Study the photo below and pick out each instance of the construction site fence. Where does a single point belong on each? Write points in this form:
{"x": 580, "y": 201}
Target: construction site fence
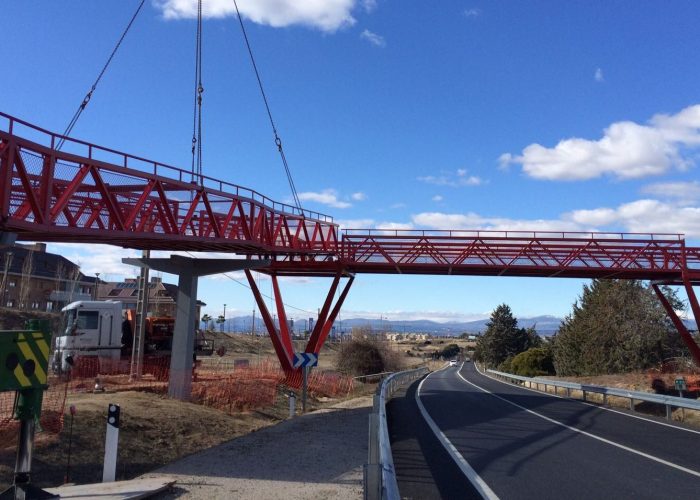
{"x": 229, "y": 387}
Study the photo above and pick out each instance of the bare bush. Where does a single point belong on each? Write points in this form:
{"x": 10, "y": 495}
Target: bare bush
{"x": 365, "y": 356}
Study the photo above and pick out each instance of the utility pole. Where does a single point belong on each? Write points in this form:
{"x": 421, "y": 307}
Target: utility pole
{"x": 224, "y": 316}
{"x": 97, "y": 282}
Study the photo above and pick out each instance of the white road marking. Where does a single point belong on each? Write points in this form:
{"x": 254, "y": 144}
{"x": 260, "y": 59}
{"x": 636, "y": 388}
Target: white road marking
{"x": 607, "y": 441}
{"x": 464, "y": 466}
{"x": 605, "y": 408}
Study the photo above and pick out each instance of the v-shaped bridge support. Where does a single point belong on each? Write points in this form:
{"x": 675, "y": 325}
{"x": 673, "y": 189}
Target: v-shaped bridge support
{"x": 281, "y": 337}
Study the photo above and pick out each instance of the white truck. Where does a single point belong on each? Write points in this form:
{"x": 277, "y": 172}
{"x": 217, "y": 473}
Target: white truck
{"x": 101, "y": 330}
{"x": 91, "y": 329}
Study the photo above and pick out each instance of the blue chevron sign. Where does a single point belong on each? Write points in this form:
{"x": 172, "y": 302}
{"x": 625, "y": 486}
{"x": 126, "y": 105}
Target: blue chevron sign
{"x": 305, "y": 359}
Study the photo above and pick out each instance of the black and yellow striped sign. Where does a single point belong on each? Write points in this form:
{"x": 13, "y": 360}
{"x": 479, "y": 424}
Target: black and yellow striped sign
{"x": 24, "y": 360}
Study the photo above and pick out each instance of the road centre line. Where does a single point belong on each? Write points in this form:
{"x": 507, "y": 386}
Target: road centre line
{"x": 463, "y": 465}
{"x": 607, "y": 441}
{"x": 605, "y": 408}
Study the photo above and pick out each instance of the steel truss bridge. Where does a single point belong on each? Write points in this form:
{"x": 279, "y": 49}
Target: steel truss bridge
{"x": 59, "y": 189}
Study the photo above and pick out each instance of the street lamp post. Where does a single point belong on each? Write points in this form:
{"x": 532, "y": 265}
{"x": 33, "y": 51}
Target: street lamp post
{"x": 224, "y": 326}
{"x": 97, "y": 282}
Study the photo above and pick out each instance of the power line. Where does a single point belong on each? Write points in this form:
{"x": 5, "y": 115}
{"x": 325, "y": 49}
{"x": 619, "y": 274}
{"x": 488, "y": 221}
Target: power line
{"x": 263, "y": 294}
{"x": 278, "y": 141}
{"x": 88, "y": 96}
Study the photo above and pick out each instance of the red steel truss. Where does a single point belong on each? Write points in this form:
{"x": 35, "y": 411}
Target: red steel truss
{"x": 86, "y": 193}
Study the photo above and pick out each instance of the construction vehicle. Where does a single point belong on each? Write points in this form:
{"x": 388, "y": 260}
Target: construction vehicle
{"x": 676, "y": 377}
{"x": 101, "y": 330}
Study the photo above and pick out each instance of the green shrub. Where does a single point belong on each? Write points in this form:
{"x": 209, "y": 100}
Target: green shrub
{"x": 505, "y": 366}
{"x": 534, "y": 362}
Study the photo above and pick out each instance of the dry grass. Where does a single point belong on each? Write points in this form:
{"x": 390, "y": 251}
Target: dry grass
{"x": 638, "y": 381}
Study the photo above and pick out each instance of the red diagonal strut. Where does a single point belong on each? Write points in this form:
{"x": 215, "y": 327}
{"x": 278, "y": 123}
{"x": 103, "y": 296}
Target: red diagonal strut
{"x": 321, "y": 329}
{"x": 682, "y": 330}
{"x": 285, "y": 356}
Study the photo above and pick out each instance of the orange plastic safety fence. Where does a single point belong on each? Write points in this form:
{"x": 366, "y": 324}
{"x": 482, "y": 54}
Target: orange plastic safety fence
{"x": 51, "y": 418}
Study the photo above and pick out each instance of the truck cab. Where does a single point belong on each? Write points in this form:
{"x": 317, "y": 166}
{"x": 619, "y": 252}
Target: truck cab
{"x": 91, "y": 328}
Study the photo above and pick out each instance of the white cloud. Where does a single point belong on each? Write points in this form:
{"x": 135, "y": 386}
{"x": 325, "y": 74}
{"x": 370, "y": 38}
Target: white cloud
{"x": 325, "y": 15}
{"x": 684, "y": 192}
{"x": 373, "y": 38}
{"x": 472, "y": 12}
{"x": 437, "y": 198}
{"x": 598, "y": 75}
{"x": 398, "y": 315}
{"x": 355, "y": 223}
{"x": 457, "y": 179}
{"x": 103, "y": 259}
{"x": 369, "y": 5}
{"x": 647, "y": 216}
{"x": 326, "y": 197}
{"x": 641, "y": 216}
{"x": 469, "y": 221}
{"x": 359, "y": 196}
{"x": 627, "y": 150}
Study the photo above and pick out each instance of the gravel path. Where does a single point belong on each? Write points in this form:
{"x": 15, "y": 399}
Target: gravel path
{"x": 318, "y": 455}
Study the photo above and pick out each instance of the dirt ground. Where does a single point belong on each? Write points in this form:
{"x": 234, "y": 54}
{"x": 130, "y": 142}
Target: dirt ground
{"x": 154, "y": 431}
{"x": 637, "y": 381}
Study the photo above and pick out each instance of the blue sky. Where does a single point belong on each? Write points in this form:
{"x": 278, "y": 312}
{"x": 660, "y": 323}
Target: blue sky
{"x": 406, "y": 114}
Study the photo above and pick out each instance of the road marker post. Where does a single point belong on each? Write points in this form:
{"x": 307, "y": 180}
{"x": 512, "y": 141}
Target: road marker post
{"x": 305, "y": 360}
{"x": 109, "y": 470}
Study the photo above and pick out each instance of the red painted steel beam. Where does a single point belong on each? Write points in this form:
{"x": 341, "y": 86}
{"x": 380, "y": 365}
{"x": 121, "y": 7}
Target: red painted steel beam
{"x": 285, "y": 334}
{"x": 682, "y": 330}
{"x": 43, "y": 206}
{"x": 284, "y": 353}
{"x": 317, "y": 340}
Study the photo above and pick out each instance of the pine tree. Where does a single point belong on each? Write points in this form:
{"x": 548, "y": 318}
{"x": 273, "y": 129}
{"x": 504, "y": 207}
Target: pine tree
{"x": 502, "y": 339}
{"x": 616, "y": 326}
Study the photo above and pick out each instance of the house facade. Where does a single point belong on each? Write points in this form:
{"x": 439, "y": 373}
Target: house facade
{"x": 31, "y": 279}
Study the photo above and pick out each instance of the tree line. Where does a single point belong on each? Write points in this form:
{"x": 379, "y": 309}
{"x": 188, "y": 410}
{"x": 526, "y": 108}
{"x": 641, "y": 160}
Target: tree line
{"x": 615, "y": 326}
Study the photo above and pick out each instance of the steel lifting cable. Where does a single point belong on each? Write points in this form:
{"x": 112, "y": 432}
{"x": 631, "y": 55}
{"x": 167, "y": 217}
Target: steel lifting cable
{"x": 278, "y": 141}
{"x": 197, "y": 113}
{"x": 88, "y": 96}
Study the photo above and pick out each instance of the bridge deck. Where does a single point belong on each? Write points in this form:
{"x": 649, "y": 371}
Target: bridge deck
{"x": 58, "y": 189}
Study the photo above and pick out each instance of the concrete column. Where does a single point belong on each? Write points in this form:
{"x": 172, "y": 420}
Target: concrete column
{"x": 181, "y": 360}
{"x": 188, "y": 270}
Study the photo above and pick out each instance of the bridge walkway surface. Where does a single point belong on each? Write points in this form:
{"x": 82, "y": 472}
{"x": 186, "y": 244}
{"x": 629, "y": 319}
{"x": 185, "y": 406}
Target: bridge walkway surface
{"x": 524, "y": 444}
{"x": 319, "y": 455}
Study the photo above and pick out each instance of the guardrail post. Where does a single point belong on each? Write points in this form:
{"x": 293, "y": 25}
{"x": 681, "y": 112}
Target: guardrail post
{"x": 605, "y": 400}
{"x": 568, "y": 392}
{"x": 584, "y": 395}
{"x": 631, "y": 404}
{"x": 669, "y": 412}
{"x": 373, "y": 469}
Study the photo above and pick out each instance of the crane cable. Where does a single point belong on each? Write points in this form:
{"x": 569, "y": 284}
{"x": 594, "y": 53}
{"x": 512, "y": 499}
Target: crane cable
{"x": 88, "y": 96}
{"x": 197, "y": 113}
{"x": 278, "y": 141}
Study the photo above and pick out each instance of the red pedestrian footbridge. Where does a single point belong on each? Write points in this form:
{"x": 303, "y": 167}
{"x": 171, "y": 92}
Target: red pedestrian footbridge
{"x": 59, "y": 189}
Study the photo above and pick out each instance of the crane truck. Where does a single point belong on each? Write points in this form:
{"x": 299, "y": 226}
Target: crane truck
{"x": 102, "y": 330}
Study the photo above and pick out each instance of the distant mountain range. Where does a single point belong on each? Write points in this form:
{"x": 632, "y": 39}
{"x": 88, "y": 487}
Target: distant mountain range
{"x": 544, "y": 325}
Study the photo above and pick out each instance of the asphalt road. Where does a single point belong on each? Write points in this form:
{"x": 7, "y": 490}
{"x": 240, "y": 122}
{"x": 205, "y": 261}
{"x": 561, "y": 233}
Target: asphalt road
{"x": 524, "y": 444}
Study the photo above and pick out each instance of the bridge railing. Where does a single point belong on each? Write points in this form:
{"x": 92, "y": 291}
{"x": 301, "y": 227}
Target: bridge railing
{"x": 69, "y": 145}
{"x": 669, "y": 402}
{"x": 512, "y": 235}
{"x": 379, "y": 473}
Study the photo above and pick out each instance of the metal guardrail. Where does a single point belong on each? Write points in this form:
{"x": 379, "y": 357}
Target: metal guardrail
{"x": 379, "y": 474}
{"x": 668, "y": 401}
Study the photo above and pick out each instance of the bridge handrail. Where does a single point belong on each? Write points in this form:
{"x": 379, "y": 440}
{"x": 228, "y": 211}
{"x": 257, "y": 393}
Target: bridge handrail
{"x": 492, "y": 234}
{"x": 380, "y": 476}
{"x": 668, "y": 401}
{"x": 180, "y": 174}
